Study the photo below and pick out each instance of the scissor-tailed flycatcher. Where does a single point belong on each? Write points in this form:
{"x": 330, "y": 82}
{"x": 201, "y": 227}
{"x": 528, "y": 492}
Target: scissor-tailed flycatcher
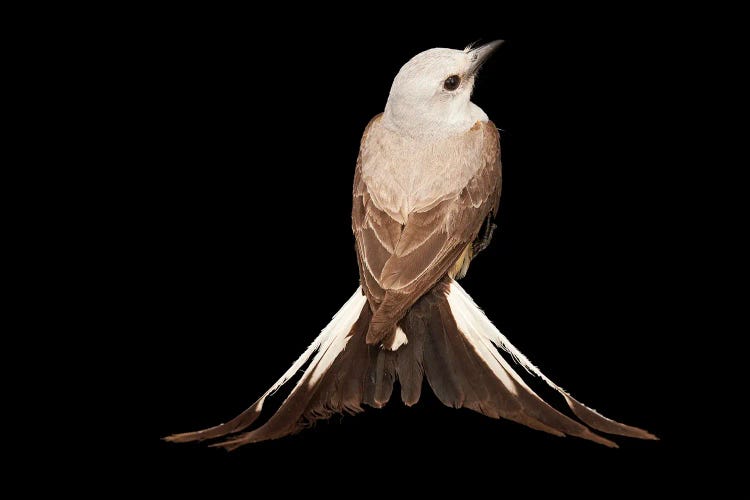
{"x": 427, "y": 181}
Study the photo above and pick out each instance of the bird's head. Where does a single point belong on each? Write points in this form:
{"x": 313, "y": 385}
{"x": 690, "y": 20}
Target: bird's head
{"x": 432, "y": 92}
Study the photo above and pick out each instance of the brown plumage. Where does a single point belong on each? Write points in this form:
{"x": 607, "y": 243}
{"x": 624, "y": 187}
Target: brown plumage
{"x": 428, "y": 176}
{"x": 405, "y": 271}
{"x": 399, "y": 262}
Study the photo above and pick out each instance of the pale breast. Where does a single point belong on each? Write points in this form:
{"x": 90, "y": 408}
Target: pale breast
{"x": 406, "y": 175}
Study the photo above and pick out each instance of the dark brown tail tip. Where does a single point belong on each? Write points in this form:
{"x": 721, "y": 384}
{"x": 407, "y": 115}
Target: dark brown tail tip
{"x": 181, "y": 438}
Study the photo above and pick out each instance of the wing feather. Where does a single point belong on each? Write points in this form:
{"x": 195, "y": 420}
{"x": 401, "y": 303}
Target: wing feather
{"x": 401, "y": 262}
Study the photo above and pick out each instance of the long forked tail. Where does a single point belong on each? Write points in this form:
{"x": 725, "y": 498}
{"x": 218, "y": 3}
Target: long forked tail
{"x": 449, "y": 341}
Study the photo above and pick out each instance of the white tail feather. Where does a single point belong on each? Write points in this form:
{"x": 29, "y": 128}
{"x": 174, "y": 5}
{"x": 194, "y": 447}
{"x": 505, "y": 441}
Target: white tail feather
{"x": 337, "y": 336}
{"x": 465, "y": 320}
{"x": 334, "y": 333}
{"x": 473, "y": 322}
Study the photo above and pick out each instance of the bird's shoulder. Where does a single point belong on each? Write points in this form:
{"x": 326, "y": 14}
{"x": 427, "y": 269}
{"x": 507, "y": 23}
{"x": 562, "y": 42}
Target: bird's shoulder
{"x": 403, "y": 174}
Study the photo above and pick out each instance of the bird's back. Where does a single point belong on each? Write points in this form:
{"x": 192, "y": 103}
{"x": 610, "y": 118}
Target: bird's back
{"x": 413, "y": 174}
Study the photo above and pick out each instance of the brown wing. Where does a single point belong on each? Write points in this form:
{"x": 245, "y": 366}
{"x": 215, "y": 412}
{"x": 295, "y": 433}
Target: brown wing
{"x": 400, "y": 263}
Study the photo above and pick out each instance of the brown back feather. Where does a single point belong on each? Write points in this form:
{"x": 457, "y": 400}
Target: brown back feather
{"x": 400, "y": 263}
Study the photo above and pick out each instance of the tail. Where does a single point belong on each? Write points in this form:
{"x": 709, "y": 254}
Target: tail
{"x": 446, "y": 338}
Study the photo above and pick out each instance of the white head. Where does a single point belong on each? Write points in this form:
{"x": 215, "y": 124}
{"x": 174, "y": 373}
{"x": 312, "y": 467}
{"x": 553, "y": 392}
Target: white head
{"x": 431, "y": 95}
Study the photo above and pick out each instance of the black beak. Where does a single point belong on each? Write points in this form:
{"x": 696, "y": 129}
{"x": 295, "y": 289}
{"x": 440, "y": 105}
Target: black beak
{"x": 481, "y": 54}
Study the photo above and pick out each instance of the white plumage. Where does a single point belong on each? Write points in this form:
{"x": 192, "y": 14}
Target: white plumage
{"x": 480, "y": 331}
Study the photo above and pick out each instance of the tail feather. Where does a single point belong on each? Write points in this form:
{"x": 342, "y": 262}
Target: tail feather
{"x": 381, "y": 376}
{"x": 507, "y": 396}
{"x": 341, "y": 322}
{"x": 319, "y": 393}
{"x": 451, "y": 343}
{"x": 409, "y": 368}
{"x": 482, "y": 328}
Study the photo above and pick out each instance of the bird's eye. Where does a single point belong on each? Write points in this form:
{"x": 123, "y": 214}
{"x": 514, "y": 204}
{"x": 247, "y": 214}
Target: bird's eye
{"x": 452, "y": 82}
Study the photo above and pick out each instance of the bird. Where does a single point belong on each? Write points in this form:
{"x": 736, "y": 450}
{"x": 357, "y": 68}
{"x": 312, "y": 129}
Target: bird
{"x": 426, "y": 191}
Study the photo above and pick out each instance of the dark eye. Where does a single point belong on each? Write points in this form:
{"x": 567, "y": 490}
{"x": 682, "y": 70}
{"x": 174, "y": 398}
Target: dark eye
{"x": 452, "y": 82}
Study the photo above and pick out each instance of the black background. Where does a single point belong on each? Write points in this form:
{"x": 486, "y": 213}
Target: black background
{"x": 249, "y": 248}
